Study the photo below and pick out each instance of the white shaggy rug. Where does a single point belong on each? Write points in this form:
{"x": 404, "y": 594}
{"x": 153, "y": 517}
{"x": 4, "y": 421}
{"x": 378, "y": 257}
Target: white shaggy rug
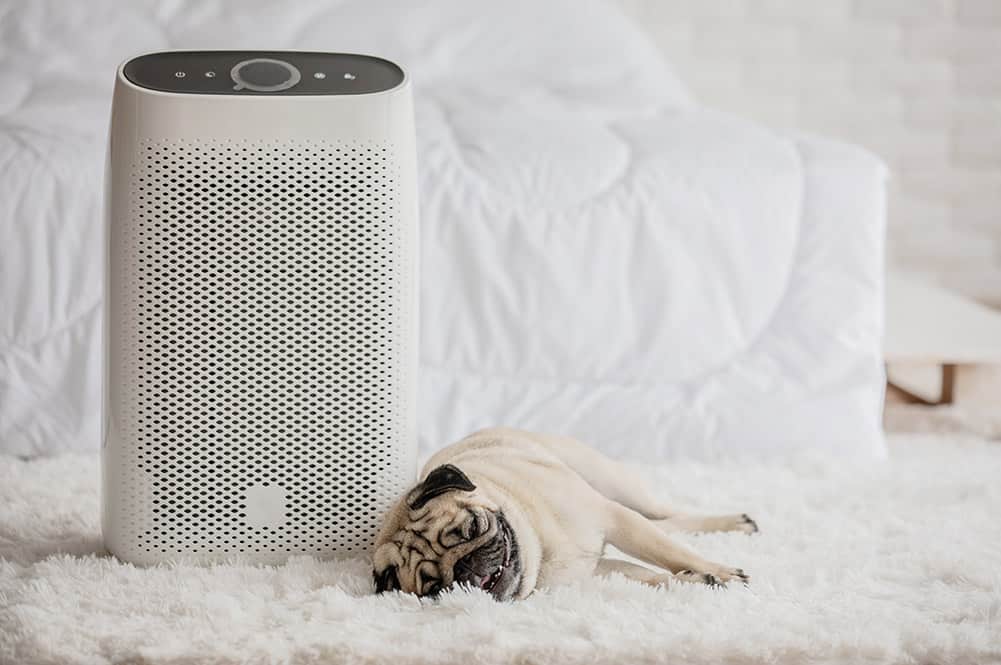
{"x": 898, "y": 561}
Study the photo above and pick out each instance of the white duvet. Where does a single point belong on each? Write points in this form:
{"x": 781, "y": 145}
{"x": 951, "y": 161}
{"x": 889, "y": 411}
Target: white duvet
{"x": 600, "y": 256}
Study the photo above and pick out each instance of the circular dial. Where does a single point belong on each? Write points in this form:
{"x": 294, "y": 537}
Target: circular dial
{"x": 264, "y": 75}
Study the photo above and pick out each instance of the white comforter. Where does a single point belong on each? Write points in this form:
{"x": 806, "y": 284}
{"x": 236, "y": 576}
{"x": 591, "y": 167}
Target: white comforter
{"x": 600, "y": 256}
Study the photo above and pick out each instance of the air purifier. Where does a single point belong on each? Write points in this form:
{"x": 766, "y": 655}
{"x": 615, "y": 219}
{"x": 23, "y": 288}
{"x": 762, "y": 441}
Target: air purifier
{"x": 260, "y": 305}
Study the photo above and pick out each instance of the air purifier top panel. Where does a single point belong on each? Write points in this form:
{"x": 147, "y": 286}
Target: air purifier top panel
{"x": 283, "y": 73}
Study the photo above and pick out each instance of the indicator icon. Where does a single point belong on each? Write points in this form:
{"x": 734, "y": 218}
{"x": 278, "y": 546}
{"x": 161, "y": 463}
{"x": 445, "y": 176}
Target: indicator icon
{"x": 180, "y": 75}
{"x": 210, "y": 75}
{"x": 349, "y": 76}
{"x": 319, "y": 75}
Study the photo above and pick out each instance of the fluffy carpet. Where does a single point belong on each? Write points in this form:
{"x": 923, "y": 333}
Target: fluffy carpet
{"x": 898, "y": 561}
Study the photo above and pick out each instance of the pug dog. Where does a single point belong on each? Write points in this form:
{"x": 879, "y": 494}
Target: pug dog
{"x": 509, "y": 511}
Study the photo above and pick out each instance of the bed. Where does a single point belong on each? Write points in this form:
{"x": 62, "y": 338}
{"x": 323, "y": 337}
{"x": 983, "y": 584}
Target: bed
{"x": 601, "y": 255}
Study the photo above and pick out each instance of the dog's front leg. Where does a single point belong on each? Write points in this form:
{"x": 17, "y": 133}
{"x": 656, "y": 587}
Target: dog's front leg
{"x": 708, "y": 523}
{"x": 633, "y": 571}
{"x": 639, "y": 537}
{"x": 607, "y": 567}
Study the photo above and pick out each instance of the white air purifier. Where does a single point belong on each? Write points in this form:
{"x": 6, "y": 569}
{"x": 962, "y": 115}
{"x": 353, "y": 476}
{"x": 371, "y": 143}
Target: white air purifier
{"x": 261, "y": 305}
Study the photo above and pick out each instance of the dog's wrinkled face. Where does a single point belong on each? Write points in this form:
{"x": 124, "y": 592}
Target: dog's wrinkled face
{"x": 443, "y": 533}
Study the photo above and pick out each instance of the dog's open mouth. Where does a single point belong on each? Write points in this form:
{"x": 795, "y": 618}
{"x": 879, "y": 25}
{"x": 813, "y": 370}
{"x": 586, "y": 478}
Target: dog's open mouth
{"x": 494, "y": 567}
{"x": 491, "y": 582}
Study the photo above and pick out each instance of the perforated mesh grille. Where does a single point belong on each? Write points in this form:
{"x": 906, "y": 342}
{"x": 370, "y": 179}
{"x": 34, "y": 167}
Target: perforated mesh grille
{"x": 265, "y": 366}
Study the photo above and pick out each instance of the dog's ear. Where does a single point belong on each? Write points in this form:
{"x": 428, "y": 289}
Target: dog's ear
{"x": 387, "y": 580}
{"x": 445, "y": 478}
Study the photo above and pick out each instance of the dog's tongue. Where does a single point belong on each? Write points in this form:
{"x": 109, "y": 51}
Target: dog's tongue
{"x": 483, "y": 581}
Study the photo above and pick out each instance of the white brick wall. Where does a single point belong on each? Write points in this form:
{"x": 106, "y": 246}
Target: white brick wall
{"x": 916, "y": 81}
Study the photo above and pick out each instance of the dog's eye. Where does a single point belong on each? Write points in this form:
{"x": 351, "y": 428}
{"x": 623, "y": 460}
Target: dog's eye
{"x": 479, "y": 525}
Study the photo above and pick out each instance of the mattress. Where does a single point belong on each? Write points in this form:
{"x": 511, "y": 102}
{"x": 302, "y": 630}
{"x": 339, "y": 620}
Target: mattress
{"x": 601, "y": 255}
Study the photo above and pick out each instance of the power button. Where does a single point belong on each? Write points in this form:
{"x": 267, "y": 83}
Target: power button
{"x": 264, "y": 75}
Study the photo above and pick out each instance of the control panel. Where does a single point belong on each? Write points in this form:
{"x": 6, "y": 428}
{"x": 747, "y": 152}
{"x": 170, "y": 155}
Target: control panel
{"x": 263, "y": 73}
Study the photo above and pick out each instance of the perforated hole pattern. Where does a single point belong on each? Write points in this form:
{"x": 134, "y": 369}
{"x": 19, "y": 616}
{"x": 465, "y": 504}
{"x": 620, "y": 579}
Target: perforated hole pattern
{"x": 269, "y": 327}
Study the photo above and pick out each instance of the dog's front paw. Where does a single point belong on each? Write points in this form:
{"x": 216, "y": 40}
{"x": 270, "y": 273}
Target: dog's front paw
{"x": 732, "y": 574}
{"x": 746, "y": 524}
{"x": 693, "y": 577}
{"x": 742, "y": 522}
{"x": 717, "y": 578}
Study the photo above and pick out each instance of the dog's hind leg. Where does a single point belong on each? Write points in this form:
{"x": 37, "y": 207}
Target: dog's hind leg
{"x": 639, "y": 537}
{"x": 616, "y": 481}
{"x": 622, "y": 484}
